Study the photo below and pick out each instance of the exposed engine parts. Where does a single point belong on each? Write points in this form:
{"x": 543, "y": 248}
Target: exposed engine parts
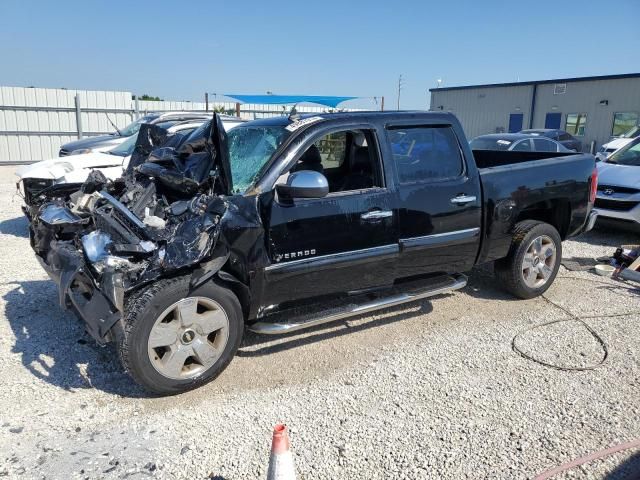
{"x": 161, "y": 216}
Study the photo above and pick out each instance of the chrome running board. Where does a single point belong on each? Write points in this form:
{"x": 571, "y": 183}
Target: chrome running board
{"x": 449, "y": 284}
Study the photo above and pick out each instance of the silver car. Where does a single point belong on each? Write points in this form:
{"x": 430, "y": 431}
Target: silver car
{"x": 104, "y": 143}
{"x": 618, "y": 194}
{"x": 517, "y": 142}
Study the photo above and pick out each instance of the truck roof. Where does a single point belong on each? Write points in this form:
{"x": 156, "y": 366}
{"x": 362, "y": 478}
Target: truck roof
{"x": 364, "y": 115}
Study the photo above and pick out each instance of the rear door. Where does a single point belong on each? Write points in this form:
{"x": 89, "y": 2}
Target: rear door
{"x": 439, "y": 199}
{"x": 544, "y": 145}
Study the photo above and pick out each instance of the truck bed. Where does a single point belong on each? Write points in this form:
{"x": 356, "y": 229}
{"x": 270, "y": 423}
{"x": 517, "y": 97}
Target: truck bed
{"x": 517, "y": 185}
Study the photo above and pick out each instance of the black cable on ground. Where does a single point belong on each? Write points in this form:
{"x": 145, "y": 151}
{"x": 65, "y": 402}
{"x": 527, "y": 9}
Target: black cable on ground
{"x": 573, "y": 318}
{"x": 620, "y": 283}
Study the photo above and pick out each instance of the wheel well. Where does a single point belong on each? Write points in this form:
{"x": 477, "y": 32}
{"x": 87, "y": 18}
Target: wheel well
{"x": 554, "y": 212}
{"x": 239, "y": 289}
{"x": 222, "y": 278}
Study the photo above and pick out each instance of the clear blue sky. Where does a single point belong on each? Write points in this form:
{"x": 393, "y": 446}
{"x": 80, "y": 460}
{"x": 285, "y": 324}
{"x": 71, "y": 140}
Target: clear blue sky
{"x": 180, "y": 49}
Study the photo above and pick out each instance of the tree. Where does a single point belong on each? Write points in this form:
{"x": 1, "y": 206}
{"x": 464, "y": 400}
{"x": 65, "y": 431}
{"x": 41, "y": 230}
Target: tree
{"x": 224, "y": 111}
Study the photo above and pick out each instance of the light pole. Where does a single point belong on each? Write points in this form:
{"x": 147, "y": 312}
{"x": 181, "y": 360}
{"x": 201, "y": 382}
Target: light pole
{"x": 400, "y": 85}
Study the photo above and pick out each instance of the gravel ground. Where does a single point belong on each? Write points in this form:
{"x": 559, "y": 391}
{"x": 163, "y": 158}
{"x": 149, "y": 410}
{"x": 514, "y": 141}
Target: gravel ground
{"x": 431, "y": 390}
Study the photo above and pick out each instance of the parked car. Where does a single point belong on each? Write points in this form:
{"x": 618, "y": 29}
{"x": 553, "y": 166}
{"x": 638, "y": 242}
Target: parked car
{"x": 608, "y": 148}
{"x": 518, "y": 142}
{"x": 565, "y": 138}
{"x": 287, "y": 223}
{"x": 619, "y": 188}
{"x": 103, "y": 143}
{"x": 34, "y": 178}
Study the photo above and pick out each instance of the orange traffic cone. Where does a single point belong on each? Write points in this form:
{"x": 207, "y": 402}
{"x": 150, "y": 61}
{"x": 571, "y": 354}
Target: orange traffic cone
{"x": 281, "y": 460}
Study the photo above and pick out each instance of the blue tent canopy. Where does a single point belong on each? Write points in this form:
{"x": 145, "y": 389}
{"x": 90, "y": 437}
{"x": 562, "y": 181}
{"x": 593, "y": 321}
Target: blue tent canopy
{"x": 290, "y": 99}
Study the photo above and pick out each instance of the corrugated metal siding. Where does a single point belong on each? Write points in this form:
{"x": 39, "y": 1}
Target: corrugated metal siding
{"x": 34, "y": 122}
{"x": 483, "y": 110}
{"x": 622, "y": 95}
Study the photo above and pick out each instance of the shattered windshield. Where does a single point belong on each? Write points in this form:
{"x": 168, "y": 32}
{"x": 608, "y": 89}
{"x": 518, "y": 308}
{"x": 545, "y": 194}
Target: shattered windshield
{"x": 250, "y": 148}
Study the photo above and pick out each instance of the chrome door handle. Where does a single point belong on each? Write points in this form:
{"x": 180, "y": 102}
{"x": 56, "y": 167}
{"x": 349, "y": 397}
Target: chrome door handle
{"x": 376, "y": 215}
{"x": 463, "y": 199}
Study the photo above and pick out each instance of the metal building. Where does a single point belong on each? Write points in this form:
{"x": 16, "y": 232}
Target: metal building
{"x": 590, "y": 108}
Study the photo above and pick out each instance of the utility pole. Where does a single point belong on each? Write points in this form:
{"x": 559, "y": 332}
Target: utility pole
{"x": 400, "y": 84}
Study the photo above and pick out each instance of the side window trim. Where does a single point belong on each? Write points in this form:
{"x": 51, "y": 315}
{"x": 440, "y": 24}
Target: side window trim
{"x": 407, "y": 126}
{"x": 345, "y": 193}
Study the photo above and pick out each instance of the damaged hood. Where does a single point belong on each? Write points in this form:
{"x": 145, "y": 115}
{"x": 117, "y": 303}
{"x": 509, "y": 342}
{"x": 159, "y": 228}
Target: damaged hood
{"x": 184, "y": 163}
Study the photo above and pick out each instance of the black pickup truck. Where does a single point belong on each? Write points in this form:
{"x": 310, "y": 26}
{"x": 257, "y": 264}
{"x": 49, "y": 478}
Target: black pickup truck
{"x": 289, "y": 222}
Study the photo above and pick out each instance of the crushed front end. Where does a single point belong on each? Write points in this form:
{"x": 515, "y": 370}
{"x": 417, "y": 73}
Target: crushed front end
{"x": 163, "y": 216}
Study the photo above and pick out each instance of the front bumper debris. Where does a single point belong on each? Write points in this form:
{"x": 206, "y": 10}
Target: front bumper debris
{"x": 76, "y": 289}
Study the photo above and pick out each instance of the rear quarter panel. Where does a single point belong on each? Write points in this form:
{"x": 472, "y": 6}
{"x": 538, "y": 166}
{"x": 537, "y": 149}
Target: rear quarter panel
{"x": 511, "y": 191}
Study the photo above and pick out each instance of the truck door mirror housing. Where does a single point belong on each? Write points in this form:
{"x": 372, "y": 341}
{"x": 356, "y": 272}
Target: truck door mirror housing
{"x": 304, "y": 184}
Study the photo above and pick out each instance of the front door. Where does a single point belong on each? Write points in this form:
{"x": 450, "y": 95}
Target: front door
{"x": 344, "y": 242}
{"x": 439, "y": 204}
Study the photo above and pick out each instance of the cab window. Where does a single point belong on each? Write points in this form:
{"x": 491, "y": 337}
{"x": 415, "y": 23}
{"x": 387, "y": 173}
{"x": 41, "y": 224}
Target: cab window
{"x": 348, "y": 159}
{"x": 424, "y": 154}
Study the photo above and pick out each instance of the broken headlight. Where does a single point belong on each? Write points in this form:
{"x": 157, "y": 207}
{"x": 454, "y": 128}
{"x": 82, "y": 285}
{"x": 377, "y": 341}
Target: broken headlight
{"x": 95, "y": 245}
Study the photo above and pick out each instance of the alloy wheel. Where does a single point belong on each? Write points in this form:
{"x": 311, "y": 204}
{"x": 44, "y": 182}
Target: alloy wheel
{"x": 539, "y": 261}
{"x": 188, "y": 338}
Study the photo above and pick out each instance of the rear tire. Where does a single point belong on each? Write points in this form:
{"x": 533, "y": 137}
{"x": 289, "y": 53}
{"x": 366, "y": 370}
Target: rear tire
{"x": 533, "y": 260}
{"x": 177, "y": 338}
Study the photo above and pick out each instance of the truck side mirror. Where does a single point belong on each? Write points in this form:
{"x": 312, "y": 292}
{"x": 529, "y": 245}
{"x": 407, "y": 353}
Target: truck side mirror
{"x": 304, "y": 184}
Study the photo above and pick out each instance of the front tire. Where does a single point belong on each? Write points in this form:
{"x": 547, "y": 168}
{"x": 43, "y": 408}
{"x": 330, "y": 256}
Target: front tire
{"x": 533, "y": 260}
{"x": 177, "y": 338}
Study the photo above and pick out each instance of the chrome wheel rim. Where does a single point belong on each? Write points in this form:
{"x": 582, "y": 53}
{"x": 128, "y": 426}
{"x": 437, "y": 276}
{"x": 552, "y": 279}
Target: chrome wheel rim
{"x": 539, "y": 261}
{"x": 188, "y": 338}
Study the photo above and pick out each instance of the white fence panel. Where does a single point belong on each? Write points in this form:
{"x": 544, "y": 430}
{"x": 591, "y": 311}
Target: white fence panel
{"x": 35, "y": 122}
{"x": 169, "y": 106}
